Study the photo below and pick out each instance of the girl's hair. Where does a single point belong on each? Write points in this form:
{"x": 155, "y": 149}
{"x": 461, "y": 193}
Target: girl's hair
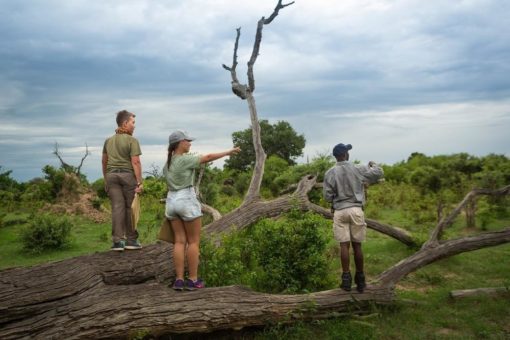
{"x": 171, "y": 149}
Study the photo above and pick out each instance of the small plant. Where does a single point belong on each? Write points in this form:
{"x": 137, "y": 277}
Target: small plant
{"x": 46, "y": 232}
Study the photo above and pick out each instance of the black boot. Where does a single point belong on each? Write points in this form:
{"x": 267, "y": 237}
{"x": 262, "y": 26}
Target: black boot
{"x": 346, "y": 281}
{"x": 359, "y": 278}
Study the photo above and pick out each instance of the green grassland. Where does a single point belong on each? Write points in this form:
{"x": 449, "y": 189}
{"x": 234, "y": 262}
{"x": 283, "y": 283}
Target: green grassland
{"x": 423, "y": 310}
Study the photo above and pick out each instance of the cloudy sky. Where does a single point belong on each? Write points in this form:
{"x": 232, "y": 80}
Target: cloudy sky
{"x": 391, "y": 77}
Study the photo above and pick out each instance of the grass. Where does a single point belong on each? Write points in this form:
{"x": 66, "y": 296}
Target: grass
{"x": 431, "y": 314}
{"x": 87, "y": 237}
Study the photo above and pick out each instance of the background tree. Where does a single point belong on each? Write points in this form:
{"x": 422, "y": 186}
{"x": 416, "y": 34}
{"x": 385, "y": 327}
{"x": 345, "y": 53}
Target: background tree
{"x": 278, "y": 139}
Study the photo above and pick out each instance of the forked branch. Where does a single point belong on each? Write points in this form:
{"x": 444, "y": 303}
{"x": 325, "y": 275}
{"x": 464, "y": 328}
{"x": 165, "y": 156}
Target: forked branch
{"x": 436, "y": 234}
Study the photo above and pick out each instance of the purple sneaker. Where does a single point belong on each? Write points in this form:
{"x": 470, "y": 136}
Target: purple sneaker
{"x": 178, "y": 285}
{"x": 192, "y": 285}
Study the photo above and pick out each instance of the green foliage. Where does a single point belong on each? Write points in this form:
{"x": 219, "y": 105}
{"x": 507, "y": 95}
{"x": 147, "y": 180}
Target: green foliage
{"x": 274, "y": 166}
{"x": 98, "y": 187}
{"x": 46, "y": 232}
{"x": 287, "y": 255}
{"x": 155, "y": 187}
{"x": 6, "y": 182}
{"x": 227, "y": 264}
{"x": 291, "y": 253}
{"x": 278, "y": 139}
{"x": 37, "y": 190}
{"x": 59, "y": 180}
{"x": 12, "y": 219}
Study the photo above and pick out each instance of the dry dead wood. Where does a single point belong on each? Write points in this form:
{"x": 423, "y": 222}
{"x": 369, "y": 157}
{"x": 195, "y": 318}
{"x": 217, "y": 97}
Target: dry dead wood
{"x": 492, "y": 291}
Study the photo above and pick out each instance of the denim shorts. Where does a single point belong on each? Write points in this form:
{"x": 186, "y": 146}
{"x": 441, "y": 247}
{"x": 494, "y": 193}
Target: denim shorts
{"x": 182, "y": 204}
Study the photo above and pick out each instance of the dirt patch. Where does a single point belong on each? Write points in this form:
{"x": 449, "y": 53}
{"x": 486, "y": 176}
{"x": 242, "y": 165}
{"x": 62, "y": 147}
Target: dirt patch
{"x": 82, "y": 205}
{"x": 447, "y": 332}
{"x": 74, "y": 199}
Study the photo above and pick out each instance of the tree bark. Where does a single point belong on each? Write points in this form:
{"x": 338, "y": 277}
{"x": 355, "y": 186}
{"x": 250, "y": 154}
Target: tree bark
{"x": 105, "y": 311}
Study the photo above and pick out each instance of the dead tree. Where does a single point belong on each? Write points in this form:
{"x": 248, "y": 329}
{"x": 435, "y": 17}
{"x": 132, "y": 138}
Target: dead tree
{"x": 244, "y": 91}
{"x": 67, "y": 167}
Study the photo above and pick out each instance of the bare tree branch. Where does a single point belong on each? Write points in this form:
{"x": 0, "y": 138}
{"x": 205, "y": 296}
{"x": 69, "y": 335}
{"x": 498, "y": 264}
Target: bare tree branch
{"x": 258, "y": 39}
{"x": 435, "y": 236}
{"x": 64, "y": 165}
{"x": 277, "y": 9}
{"x": 87, "y": 152}
{"x": 426, "y": 256}
{"x": 216, "y": 215}
{"x": 153, "y": 171}
{"x": 246, "y": 92}
{"x": 199, "y": 180}
{"x": 239, "y": 89}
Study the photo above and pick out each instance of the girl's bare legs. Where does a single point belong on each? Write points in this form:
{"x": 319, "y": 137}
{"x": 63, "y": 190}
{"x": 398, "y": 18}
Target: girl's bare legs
{"x": 192, "y": 229}
{"x": 179, "y": 247}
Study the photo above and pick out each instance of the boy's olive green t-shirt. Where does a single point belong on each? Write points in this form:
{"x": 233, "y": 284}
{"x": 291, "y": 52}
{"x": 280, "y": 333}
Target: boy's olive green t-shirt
{"x": 120, "y": 148}
{"x": 182, "y": 171}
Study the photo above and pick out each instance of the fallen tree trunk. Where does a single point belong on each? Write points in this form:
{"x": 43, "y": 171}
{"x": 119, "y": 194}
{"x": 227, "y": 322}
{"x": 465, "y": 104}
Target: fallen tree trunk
{"x": 28, "y": 292}
{"x": 493, "y": 291}
{"x": 113, "y": 295}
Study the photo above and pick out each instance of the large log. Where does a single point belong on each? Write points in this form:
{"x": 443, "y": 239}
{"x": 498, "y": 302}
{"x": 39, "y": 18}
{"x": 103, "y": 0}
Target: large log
{"x": 112, "y": 295}
{"x": 28, "y": 292}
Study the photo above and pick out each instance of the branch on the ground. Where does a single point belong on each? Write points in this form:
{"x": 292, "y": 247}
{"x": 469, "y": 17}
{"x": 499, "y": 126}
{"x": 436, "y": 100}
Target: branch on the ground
{"x": 449, "y": 248}
{"x": 216, "y": 215}
{"x": 492, "y": 291}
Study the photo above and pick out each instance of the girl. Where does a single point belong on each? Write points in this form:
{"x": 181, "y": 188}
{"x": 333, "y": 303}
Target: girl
{"x": 182, "y": 207}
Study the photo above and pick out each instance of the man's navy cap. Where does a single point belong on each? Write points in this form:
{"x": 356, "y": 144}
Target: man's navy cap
{"x": 341, "y": 148}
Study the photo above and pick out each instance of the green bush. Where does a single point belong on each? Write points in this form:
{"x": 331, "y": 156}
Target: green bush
{"x": 98, "y": 187}
{"x": 46, "y": 232}
{"x": 292, "y": 253}
{"x": 287, "y": 255}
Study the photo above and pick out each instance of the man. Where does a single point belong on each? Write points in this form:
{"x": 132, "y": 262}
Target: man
{"x": 122, "y": 173}
{"x": 344, "y": 188}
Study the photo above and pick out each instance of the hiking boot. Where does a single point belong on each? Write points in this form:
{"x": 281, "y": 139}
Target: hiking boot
{"x": 117, "y": 246}
{"x": 346, "y": 281}
{"x": 178, "y": 285}
{"x": 359, "y": 278}
{"x": 192, "y": 285}
{"x": 133, "y": 245}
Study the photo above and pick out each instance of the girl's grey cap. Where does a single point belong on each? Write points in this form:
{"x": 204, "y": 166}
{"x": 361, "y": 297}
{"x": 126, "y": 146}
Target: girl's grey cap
{"x": 179, "y": 135}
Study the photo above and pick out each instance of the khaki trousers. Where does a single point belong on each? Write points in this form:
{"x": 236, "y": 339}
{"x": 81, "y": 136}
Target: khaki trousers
{"x": 121, "y": 190}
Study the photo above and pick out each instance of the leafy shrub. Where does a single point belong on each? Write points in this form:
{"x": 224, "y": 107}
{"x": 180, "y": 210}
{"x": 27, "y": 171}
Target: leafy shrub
{"x": 46, "y": 232}
{"x": 285, "y": 255}
{"x": 291, "y": 253}
{"x": 98, "y": 187}
{"x": 226, "y": 264}
{"x": 154, "y": 187}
